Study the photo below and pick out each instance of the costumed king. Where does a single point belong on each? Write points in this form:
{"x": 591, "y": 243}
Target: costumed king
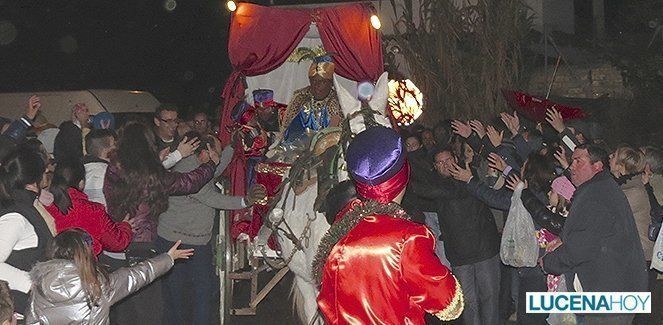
{"x": 374, "y": 265}
{"x": 314, "y": 107}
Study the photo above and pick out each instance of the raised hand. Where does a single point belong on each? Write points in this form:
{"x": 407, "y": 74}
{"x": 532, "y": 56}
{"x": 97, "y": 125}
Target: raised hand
{"x": 130, "y": 221}
{"x": 646, "y": 175}
{"x": 213, "y": 155}
{"x": 494, "y": 137}
{"x": 258, "y": 192}
{"x": 495, "y": 161}
{"x": 179, "y": 253}
{"x": 163, "y": 153}
{"x": 478, "y": 128}
{"x": 555, "y": 119}
{"x": 560, "y": 155}
{"x": 513, "y": 181}
{"x": 34, "y": 104}
{"x": 460, "y": 128}
{"x": 512, "y": 122}
{"x": 460, "y": 173}
{"x": 188, "y": 146}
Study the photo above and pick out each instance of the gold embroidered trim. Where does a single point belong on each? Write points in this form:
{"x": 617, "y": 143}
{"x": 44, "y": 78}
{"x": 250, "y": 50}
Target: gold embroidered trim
{"x": 455, "y": 308}
{"x": 270, "y": 169}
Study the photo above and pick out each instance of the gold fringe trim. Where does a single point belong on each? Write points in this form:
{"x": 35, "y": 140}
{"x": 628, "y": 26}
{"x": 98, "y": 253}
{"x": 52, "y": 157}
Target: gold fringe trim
{"x": 455, "y": 308}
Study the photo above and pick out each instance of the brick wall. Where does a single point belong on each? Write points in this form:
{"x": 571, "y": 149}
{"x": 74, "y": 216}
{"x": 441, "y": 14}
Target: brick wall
{"x": 581, "y": 82}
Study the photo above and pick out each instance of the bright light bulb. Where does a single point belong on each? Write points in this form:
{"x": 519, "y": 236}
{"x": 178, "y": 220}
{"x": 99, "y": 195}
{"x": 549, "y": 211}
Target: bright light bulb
{"x": 375, "y": 22}
{"x": 231, "y": 5}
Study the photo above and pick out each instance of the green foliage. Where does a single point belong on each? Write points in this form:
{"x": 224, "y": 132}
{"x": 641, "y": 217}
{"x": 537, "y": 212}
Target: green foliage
{"x": 461, "y": 57}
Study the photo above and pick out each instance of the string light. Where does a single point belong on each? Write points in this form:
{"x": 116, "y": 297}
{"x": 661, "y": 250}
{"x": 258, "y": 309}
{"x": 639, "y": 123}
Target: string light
{"x": 231, "y": 5}
{"x": 375, "y": 21}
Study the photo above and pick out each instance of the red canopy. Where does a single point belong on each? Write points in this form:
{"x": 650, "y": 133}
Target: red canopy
{"x": 534, "y": 108}
{"x": 262, "y": 38}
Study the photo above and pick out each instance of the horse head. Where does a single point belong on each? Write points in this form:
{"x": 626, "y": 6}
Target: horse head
{"x": 370, "y": 110}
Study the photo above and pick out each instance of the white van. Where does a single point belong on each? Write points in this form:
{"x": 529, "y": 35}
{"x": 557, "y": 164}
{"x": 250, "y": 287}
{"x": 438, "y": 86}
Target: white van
{"x": 56, "y": 105}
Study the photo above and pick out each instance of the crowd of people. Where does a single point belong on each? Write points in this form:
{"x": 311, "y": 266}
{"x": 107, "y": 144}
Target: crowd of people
{"x": 100, "y": 213}
{"x": 96, "y": 213}
{"x": 595, "y": 209}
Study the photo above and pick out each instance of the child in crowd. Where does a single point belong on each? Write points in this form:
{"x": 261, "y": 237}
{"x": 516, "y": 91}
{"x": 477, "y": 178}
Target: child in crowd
{"x": 71, "y": 208}
{"x": 72, "y": 288}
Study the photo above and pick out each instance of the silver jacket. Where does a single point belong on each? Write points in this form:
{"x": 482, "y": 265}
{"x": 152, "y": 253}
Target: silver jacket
{"x": 57, "y": 295}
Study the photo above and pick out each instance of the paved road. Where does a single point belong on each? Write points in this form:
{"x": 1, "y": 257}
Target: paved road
{"x": 277, "y": 306}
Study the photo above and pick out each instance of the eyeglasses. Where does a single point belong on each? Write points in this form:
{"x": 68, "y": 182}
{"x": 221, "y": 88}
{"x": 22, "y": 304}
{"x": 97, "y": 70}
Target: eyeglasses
{"x": 197, "y": 122}
{"x": 170, "y": 122}
{"x": 444, "y": 161}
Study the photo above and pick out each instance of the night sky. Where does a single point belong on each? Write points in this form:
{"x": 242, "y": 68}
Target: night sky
{"x": 180, "y": 55}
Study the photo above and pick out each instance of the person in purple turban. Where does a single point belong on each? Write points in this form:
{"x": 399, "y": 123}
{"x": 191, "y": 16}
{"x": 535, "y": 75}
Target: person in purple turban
{"x": 374, "y": 264}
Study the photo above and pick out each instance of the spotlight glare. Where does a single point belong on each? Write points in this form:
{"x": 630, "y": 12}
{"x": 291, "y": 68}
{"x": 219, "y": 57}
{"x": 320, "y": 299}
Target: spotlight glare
{"x": 375, "y": 22}
{"x": 231, "y": 5}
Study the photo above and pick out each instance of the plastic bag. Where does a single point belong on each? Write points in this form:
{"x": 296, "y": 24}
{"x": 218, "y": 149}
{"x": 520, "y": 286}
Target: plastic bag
{"x": 519, "y": 247}
{"x": 657, "y": 257}
{"x": 561, "y": 319}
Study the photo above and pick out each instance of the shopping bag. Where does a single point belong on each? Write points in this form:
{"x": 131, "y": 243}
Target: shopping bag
{"x": 560, "y": 319}
{"x": 657, "y": 258}
{"x": 519, "y": 246}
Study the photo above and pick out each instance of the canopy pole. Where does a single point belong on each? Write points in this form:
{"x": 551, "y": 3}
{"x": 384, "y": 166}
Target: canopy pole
{"x": 552, "y": 80}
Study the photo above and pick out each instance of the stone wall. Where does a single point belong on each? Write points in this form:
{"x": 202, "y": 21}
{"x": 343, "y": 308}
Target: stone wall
{"x": 598, "y": 80}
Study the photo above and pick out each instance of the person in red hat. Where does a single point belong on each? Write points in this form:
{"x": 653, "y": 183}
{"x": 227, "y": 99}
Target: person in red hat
{"x": 251, "y": 137}
{"x": 267, "y": 110}
{"x": 374, "y": 265}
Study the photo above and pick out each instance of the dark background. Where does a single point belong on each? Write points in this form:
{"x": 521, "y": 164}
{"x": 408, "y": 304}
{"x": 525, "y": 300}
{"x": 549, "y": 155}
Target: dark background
{"x": 181, "y": 55}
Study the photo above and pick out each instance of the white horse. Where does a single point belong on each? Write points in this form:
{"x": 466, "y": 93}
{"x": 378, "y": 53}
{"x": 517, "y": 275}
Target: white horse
{"x": 299, "y": 213}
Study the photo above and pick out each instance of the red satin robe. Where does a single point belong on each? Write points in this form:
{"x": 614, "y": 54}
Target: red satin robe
{"x": 385, "y": 271}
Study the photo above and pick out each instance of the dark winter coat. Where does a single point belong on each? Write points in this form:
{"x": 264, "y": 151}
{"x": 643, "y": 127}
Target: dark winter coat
{"x": 600, "y": 240}
{"x": 467, "y": 226}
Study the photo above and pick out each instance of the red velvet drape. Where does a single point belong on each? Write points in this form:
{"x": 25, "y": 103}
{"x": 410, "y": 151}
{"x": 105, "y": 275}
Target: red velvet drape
{"x": 347, "y": 31}
{"x": 262, "y": 38}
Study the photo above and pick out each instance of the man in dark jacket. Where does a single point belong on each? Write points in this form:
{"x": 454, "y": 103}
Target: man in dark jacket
{"x": 471, "y": 241}
{"x": 601, "y": 250}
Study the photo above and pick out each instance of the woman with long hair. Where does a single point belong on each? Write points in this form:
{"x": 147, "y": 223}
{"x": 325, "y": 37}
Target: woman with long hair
{"x": 137, "y": 185}
{"x": 72, "y": 288}
{"x": 24, "y": 235}
{"x": 71, "y": 208}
